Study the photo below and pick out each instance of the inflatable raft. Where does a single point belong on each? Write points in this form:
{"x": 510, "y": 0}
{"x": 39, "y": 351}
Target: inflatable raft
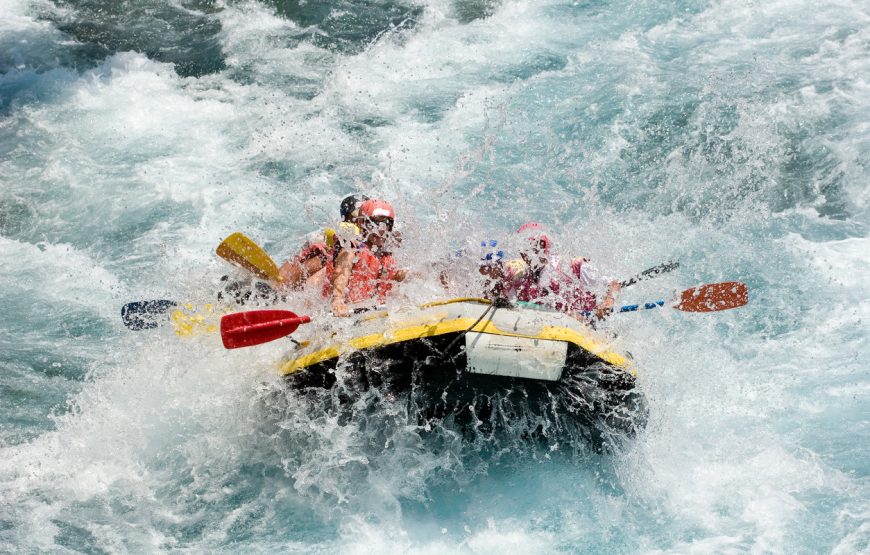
{"x": 478, "y": 364}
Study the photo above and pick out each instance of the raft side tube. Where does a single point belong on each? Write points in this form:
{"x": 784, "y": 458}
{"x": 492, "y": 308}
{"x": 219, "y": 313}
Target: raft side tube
{"x": 528, "y": 331}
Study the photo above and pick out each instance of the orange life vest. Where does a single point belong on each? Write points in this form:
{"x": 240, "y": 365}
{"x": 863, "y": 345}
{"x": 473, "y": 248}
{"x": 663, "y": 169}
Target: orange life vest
{"x": 371, "y": 278}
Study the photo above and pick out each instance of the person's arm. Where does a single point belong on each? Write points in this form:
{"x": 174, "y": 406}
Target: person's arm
{"x": 606, "y": 306}
{"x": 315, "y": 281}
{"x": 340, "y": 279}
{"x": 291, "y": 274}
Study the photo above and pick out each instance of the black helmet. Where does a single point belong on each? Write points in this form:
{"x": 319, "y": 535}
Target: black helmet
{"x": 350, "y": 205}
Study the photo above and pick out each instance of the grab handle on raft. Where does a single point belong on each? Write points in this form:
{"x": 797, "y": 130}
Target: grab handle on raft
{"x": 244, "y": 329}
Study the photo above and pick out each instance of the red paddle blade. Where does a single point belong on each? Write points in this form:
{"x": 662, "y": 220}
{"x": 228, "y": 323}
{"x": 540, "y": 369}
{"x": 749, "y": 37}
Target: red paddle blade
{"x": 714, "y": 297}
{"x": 244, "y": 329}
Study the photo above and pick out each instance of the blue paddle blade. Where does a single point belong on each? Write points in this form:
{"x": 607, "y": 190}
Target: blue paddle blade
{"x": 145, "y": 315}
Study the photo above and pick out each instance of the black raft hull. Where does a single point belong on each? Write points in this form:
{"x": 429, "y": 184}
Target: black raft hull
{"x": 440, "y": 362}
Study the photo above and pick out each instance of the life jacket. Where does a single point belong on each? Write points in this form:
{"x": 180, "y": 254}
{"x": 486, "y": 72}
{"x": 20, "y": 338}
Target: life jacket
{"x": 371, "y": 277}
{"x": 579, "y": 299}
{"x": 551, "y": 286}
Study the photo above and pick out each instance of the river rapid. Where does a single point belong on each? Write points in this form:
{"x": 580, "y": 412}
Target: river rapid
{"x": 733, "y": 136}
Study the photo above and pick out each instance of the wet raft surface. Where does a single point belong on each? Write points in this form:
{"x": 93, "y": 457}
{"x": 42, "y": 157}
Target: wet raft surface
{"x": 592, "y": 398}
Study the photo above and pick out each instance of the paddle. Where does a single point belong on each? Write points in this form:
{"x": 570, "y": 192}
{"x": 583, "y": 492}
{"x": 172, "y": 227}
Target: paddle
{"x": 237, "y": 249}
{"x": 712, "y": 297}
{"x": 651, "y": 273}
{"x": 187, "y": 319}
{"x": 254, "y": 327}
{"x": 241, "y": 251}
{"x": 148, "y": 315}
{"x": 145, "y": 315}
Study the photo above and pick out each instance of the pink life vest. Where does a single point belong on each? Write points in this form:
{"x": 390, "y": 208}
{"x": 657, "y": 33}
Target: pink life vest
{"x": 560, "y": 290}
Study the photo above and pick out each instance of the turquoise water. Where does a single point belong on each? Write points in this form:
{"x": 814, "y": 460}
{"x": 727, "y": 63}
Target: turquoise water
{"x": 732, "y": 136}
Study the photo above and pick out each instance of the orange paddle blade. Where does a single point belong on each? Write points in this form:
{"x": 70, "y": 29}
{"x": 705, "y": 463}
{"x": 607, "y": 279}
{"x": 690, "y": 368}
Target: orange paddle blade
{"x": 244, "y": 329}
{"x": 714, "y": 297}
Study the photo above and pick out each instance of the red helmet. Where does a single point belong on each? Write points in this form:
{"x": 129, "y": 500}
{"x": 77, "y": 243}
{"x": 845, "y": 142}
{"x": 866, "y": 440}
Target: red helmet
{"x": 534, "y": 232}
{"x": 374, "y": 208}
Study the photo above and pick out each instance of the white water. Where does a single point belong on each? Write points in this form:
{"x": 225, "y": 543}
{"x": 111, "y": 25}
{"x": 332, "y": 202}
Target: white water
{"x": 732, "y": 136}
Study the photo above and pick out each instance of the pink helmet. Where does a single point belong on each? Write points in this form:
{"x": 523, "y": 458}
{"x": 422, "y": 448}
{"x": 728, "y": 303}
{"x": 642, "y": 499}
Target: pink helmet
{"x": 534, "y": 232}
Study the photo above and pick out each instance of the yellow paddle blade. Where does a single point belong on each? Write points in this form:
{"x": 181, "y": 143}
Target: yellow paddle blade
{"x": 238, "y": 249}
{"x": 193, "y": 320}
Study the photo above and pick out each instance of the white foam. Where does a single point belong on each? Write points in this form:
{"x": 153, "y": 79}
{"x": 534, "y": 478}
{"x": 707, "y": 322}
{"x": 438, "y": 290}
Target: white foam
{"x": 166, "y": 432}
{"x": 58, "y": 273}
{"x": 27, "y": 41}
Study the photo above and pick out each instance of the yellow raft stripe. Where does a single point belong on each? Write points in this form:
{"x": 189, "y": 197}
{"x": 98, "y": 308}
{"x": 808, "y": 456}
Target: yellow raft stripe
{"x": 384, "y": 313}
{"x": 551, "y": 333}
{"x": 458, "y": 300}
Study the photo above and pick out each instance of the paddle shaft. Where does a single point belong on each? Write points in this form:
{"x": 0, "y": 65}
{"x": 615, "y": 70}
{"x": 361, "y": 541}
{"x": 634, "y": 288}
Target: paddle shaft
{"x": 645, "y": 306}
{"x": 655, "y": 271}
